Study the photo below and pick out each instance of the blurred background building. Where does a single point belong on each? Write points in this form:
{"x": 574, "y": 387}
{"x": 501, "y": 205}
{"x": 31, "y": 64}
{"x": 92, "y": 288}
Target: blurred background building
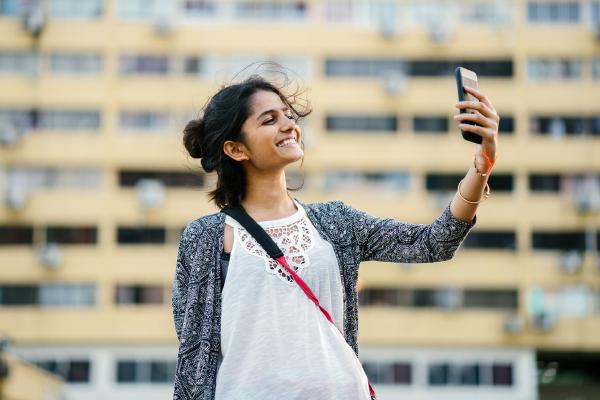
{"x": 96, "y": 186}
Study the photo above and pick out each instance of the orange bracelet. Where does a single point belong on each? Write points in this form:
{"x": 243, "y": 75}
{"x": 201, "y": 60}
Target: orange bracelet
{"x": 489, "y": 162}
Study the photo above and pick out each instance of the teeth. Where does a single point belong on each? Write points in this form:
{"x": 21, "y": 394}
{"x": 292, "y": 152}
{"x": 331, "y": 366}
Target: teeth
{"x": 286, "y": 142}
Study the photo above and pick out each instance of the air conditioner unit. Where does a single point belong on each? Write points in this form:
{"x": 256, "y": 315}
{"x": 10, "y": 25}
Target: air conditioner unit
{"x": 448, "y": 298}
{"x": 394, "y": 82}
{"x": 34, "y": 17}
{"x": 571, "y": 261}
{"x": 587, "y": 194}
{"x": 50, "y": 255}
{"x": 386, "y": 25}
{"x": 513, "y": 324}
{"x": 9, "y": 135}
{"x": 543, "y": 322}
{"x": 557, "y": 128}
{"x": 151, "y": 193}
{"x": 15, "y": 197}
{"x": 439, "y": 32}
{"x": 164, "y": 26}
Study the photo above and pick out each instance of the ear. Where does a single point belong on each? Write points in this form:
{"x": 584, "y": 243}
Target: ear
{"x": 235, "y": 150}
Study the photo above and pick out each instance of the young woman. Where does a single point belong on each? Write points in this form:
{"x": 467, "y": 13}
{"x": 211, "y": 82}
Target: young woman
{"x": 245, "y": 329}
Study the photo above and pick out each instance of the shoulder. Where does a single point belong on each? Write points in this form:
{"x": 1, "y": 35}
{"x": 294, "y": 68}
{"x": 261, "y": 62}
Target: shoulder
{"x": 205, "y": 228}
{"x": 331, "y": 208}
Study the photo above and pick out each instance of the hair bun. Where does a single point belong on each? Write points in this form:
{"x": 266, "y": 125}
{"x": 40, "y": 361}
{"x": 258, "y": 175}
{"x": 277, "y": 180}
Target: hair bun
{"x": 193, "y": 137}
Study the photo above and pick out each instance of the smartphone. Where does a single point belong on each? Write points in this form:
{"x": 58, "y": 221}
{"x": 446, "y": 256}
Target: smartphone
{"x": 465, "y": 77}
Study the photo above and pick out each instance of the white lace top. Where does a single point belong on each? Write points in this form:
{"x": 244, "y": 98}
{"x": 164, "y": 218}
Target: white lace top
{"x": 276, "y": 343}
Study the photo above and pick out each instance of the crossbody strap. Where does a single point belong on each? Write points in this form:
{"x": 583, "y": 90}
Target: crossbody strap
{"x": 269, "y": 245}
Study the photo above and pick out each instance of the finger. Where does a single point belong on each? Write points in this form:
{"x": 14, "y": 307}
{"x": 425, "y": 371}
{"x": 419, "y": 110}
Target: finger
{"x": 482, "y": 97}
{"x": 481, "y": 131}
{"x": 479, "y": 106}
{"x": 479, "y": 119}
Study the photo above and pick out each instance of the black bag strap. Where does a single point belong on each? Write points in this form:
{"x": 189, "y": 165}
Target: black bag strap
{"x": 254, "y": 229}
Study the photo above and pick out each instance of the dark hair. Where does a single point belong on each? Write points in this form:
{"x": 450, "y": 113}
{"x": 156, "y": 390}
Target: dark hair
{"x": 221, "y": 120}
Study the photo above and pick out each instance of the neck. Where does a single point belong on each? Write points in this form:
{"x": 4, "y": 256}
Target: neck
{"x": 267, "y": 197}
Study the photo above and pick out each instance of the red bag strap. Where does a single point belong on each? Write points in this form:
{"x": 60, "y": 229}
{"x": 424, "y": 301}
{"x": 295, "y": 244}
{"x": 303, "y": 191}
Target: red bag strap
{"x": 269, "y": 245}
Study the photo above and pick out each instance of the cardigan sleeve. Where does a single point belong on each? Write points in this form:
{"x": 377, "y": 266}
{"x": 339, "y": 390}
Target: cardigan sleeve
{"x": 386, "y": 239}
{"x": 182, "y": 275}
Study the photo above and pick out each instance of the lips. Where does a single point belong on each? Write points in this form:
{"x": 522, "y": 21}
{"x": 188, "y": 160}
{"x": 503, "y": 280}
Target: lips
{"x": 287, "y": 141}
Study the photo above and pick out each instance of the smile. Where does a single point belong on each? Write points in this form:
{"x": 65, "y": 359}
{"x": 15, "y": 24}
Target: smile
{"x": 287, "y": 142}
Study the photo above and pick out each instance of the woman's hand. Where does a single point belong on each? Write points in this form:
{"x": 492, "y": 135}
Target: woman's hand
{"x": 487, "y": 121}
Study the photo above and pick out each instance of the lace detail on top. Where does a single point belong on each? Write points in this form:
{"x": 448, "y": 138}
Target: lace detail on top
{"x": 294, "y": 240}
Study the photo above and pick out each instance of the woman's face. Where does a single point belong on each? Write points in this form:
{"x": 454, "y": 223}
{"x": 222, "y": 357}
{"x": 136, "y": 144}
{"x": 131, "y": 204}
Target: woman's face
{"x": 271, "y": 136}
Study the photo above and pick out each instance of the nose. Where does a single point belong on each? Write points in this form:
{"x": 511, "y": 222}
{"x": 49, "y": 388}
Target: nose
{"x": 288, "y": 123}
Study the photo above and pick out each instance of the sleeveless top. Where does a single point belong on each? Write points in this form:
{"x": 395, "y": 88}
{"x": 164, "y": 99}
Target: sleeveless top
{"x": 275, "y": 342}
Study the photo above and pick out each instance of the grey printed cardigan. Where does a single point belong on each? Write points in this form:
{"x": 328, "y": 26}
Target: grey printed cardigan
{"x": 355, "y": 237}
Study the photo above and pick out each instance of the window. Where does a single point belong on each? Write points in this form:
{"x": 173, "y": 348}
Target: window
{"x": 561, "y": 125}
{"x": 544, "y": 182}
{"x": 141, "y": 235}
{"x": 440, "y": 298}
{"x": 150, "y": 371}
{"x": 139, "y": 294}
{"x": 145, "y": 9}
{"x": 200, "y": 8}
{"x": 484, "y": 12}
{"x": 18, "y": 119}
{"x": 130, "y": 64}
{"x": 553, "y": 11}
{"x": 16, "y": 235}
{"x": 507, "y": 124}
{"x": 377, "y": 180}
{"x": 13, "y": 8}
{"x": 491, "y": 298}
{"x": 271, "y": 10}
{"x": 502, "y": 374}
{"x": 144, "y": 120}
{"x": 438, "y": 374}
{"x": 558, "y": 240}
{"x": 469, "y": 374}
{"x": 18, "y": 295}
{"x": 169, "y": 178}
{"x": 488, "y": 68}
{"x": 554, "y": 69}
{"x": 33, "y": 179}
{"x": 76, "y": 8}
{"x": 504, "y": 240}
{"x": 361, "y": 124}
{"x": 72, "y": 371}
{"x": 67, "y": 294}
{"x": 18, "y": 63}
{"x": 595, "y": 13}
{"x": 388, "y": 373}
{"x": 442, "y": 182}
{"x": 449, "y": 182}
{"x": 437, "y": 124}
{"x": 340, "y": 11}
{"x": 69, "y": 120}
{"x": 48, "y": 294}
{"x": 193, "y": 65}
{"x": 385, "y": 297}
{"x": 75, "y": 64}
{"x": 362, "y": 67}
{"x": 71, "y": 235}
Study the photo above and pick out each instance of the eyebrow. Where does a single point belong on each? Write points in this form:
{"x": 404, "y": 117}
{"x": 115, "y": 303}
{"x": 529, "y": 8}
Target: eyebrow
{"x": 271, "y": 110}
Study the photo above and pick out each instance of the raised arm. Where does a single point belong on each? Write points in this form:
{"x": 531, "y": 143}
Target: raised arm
{"x": 386, "y": 239}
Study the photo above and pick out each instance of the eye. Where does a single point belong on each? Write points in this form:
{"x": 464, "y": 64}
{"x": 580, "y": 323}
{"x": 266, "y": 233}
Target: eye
{"x": 269, "y": 121}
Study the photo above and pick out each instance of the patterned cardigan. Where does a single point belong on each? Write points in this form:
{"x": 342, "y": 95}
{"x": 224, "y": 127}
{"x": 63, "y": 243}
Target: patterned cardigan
{"x": 355, "y": 236}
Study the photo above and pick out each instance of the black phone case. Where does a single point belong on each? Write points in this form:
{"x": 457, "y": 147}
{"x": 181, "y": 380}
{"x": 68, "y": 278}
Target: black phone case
{"x": 470, "y": 136}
